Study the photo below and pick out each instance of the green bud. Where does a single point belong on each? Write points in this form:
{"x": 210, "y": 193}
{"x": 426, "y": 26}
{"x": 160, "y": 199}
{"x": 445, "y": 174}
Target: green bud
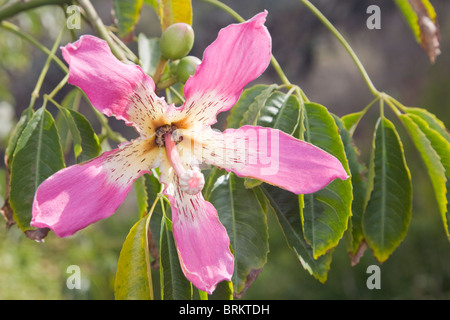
{"x": 176, "y": 41}
{"x": 186, "y": 68}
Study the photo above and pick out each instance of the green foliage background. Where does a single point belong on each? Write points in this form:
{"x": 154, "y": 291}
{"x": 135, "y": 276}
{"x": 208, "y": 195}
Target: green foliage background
{"x": 418, "y": 269}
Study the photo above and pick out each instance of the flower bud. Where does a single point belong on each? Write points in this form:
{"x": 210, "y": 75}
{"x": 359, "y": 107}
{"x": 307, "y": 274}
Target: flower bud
{"x": 186, "y": 68}
{"x": 176, "y": 41}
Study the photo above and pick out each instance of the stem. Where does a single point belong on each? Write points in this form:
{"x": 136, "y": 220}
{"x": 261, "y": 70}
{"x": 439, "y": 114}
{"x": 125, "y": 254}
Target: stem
{"x": 346, "y": 45}
{"x": 16, "y": 30}
{"x": 166, "y": 218}
{"x": 60, "y": 85}
{"x": 40, "y": 81}
{"x": 175, "y": 92}
{"x": 167, "y": 83}
{"x": 159, "y": 70}
{"x": 20, "y": 6}
{"x": 131, "y": 55}
{"x": 100, "y": 28}
{"x": 226, "y": 8}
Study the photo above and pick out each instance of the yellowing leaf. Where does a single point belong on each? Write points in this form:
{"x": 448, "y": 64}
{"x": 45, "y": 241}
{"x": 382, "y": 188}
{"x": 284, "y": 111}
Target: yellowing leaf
{"x": 172, "y": 11}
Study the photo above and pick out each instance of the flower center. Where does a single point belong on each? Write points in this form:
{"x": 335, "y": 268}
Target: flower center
{"x": 191, "y": 181}
{"x": 161, "y": 131}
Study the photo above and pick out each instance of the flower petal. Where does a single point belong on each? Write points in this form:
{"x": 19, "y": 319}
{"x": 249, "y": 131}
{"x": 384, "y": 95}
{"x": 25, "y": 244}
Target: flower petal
{"x": 202, "y": 242}
{"x": 113, "y": 87}
{"x": 82, "y": 194}
{"x": 239, "y": 55}
{"x": 270, "y": 155}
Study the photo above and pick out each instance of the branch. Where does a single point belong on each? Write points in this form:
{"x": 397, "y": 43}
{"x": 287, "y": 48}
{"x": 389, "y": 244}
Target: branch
{"x": 20, "y": 6}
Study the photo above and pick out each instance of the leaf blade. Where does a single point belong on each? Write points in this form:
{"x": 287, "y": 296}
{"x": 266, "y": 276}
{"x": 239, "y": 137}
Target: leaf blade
{"x": 38, "y": 154}
{"x": 326, "y": 213}
{"x": 243, "y": 216}
{"x": 389, "y": 208}
{"x": 133, "y": 277}
{"x": 127, "y": 14}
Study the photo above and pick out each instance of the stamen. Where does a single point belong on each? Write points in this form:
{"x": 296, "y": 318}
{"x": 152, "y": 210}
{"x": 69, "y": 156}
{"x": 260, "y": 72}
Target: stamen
{"x": 191, "y": 180}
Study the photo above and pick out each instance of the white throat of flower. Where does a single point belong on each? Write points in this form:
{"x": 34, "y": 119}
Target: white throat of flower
{"x": 191, "y": 181}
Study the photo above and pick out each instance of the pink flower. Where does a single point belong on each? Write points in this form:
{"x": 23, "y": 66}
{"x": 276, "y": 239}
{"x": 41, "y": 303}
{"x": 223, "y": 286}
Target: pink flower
{"x": 177, "y": 140}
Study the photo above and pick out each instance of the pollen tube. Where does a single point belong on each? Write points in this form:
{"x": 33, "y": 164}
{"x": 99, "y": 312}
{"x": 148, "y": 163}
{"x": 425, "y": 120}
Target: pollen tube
{"x": 191, "y": 181}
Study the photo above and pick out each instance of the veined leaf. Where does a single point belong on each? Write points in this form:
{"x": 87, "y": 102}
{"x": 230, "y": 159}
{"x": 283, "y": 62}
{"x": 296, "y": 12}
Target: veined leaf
{"x": 421, "y": 17}
{"x": 37, "y": 156}
{"x": 248, "y": 97}
{"x": 127, "y": 13}
{"x": 85, "y": 142}
{"x": 435, "y": 152}
{"x": 388, "y": 211}
{"x": 243, "y": 216}
{"x": 281, "y": 111}
{"x": 432, "y": 121}
{"x": 133, "y": 276}
{"x": 327, "y": 211}
{"x": 174, "y": 285}
{"x": 286, "y": 206}
{"x": 252, "y": 114}
{"x": 90, "y": 144}
{"x": 354, "y": 235}
{"x": 17, "y": 132}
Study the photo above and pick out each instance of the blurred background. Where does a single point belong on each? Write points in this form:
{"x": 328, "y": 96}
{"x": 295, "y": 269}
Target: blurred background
{"x": 311, "y": 58}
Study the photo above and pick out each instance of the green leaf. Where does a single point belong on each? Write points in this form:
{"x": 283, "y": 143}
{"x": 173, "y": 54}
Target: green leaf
{"x": 127, "y": 14}
{"x": 149, "y": 53}
{"x": 86, "y": 144}
{"x": 359, "y": 185}
{"x": 435, "y": 152}
{"x": 351, "y": 120}
{"x": 243, "y": 216}
{"x": 17, "y": 132}
{"x": 327, "y": 211}
{"x": 252, "y": 114}
{"x": 90, "y": 144}
{"x": 388, "y": 212}
{"x": 141, "y": 196}
{"x": 174, "y": 285}
{"x": 37, "y": 156}
{"x": 133, "y": 277}
{"x": 432, "y": 121}
{"x": 247, "y": 98}
{"x": 70, "y": 101}
{"x": 421, "y": 17}
{"x": 224, "y": 291}
{"x": 153, "y": 187}
{"x": 281, "y": 111}
{"x": 286, "y": 206}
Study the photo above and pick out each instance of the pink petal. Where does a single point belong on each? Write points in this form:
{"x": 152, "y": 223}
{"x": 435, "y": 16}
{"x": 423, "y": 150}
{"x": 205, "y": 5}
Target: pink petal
{"x": 239, "y": 55}
{"x": 202, "y": 241}
{"x": 271, "y": 156}
{"x": 82, "y": 194}
{"x": 113, "y": 87}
